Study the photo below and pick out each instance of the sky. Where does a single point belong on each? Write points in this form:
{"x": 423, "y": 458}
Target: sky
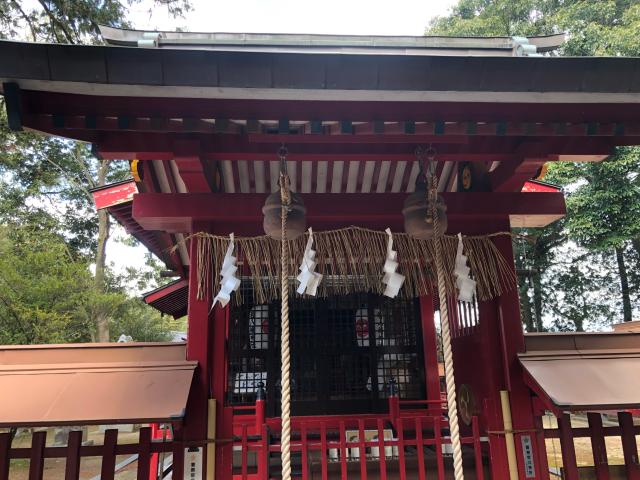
{"x": 355, "y": 17}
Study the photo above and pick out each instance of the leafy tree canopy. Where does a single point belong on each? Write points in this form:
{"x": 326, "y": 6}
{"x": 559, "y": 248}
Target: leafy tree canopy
{"x": 570, "y": 271}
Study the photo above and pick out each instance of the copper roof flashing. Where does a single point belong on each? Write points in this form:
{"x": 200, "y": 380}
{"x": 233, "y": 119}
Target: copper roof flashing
{"x": 86, "y": 384}
{"x": 584, "y": 372}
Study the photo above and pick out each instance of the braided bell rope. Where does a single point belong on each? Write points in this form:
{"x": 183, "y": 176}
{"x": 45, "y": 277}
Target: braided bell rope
{"x": 446, "y": 334}
{"x": 285, "y": 354}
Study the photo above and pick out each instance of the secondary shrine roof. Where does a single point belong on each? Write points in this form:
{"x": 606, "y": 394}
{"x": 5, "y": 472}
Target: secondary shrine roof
{"x": 97, "y": 383}
{"x": 578, "y": 372}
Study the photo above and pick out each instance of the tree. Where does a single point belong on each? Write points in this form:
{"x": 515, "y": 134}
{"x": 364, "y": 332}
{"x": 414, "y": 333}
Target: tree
{"x": 603, "y": 198}
{"x": 604, "y": 209}
{"x": 59, "y": 171}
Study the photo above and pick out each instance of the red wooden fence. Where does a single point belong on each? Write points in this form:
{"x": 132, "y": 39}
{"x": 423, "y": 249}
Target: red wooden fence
{"x": 344, "y": 448}
{"x": 74, "y": 451}
{"x": 596, "y": 432}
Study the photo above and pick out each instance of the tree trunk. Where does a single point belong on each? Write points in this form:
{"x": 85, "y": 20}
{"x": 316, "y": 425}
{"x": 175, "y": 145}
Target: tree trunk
{"x": 525, "y": 305}
{"x": 635, "y": 243}
{"x": 624, "y": 285}
{"x": 104, "y": 230}
{"x": 537, "y": 301}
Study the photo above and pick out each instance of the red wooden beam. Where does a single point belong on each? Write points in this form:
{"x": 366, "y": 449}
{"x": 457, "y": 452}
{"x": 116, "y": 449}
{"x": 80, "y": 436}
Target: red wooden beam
{"x": 359, "y": 138}
{"x": 115, "y": 194}
{"x": 155, "y": 145}
{"x": 179, "y": 212}
{"x": 42, "y": 102}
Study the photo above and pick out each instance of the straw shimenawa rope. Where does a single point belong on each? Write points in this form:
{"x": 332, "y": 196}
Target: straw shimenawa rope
{"x": 351, "y": 261}
{"x": 452, "y": 406}
{"x": 285, "y": 356}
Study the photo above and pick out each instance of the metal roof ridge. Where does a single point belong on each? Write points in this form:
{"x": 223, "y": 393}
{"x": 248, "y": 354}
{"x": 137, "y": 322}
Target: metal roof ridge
{"x": 145, "y": 38}
{"x": 87, "y": 345}
{"x": 36, "y": 368}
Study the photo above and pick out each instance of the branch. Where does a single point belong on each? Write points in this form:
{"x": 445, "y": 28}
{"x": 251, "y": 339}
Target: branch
{"x": 70, "y": 178}
{"x": 56, "y": 21}
{"x": 24, "y": 15}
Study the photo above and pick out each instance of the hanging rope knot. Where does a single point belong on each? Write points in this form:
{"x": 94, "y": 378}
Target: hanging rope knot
{"x": 285, "y": 182}
{"x": 285, "y": 193}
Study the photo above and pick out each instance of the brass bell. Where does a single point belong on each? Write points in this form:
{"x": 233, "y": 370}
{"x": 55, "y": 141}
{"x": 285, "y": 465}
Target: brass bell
{"x": 417, "y": 213}
{"x": 296, "y": 219}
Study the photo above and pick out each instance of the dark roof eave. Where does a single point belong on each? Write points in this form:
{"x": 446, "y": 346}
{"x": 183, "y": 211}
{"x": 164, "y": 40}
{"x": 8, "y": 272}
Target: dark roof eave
{"x": 123, "y": 66}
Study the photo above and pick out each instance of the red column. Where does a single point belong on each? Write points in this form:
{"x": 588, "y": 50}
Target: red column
{"x": 198, "y": 335}
{"x": 511, "y": 337}
{"x": 430, "y": 349}
{"x": 224, "y": 415}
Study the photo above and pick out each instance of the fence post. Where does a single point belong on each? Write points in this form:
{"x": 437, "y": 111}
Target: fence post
{"x": 393, "y": 399}
{"x": 144, "y": 453}
{"x": 5, "y": 450}
{"x": 72, "y": 467}
{"x": 36, "y": 463}
{"x": 569, "y": 464}
{"x": 261, "y": 396}
{"x": 178, "y": 453}
{"x": 108, "y": 469}
{"x": 598, "y": 446}
{"x": 629, "y": 446}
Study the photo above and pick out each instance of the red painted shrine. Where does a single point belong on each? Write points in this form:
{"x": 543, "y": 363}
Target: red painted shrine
{"x": 201, "y": 118}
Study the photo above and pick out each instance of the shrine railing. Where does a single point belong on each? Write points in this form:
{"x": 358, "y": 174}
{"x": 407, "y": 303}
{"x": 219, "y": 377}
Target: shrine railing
{"x": 410, "y": 442}
{"x": 148, "y": 452}
{"x": 562, "y": 459}
{"x": 358, "y": 448}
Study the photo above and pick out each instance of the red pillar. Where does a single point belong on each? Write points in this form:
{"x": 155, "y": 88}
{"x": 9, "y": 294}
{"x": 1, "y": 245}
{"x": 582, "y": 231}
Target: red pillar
{"x": 511, "y": 340}
{"x": 224, "y": 415}
{"x": 195, "y": 422}
{"x": 430, "y": 349}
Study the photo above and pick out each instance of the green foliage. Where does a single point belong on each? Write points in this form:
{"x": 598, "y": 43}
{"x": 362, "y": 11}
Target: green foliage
{"x": 142, "y": 323}
{"x": 75, "y": 21}
{"x": 43, "y": 290}
{"x": 47, "y": 295}
{"x": 604, "y": 203}
{"x": 603, "y": 27}
{"x": 49, "y": 229}
{"x": 575, "y": 273}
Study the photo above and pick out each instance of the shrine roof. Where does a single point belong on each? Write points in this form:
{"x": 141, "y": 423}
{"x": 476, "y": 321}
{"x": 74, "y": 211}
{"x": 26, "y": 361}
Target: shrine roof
{"x": 103, "y": 383}
{"x": 381, "y": 75}
{"x": 583, "y": 371}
